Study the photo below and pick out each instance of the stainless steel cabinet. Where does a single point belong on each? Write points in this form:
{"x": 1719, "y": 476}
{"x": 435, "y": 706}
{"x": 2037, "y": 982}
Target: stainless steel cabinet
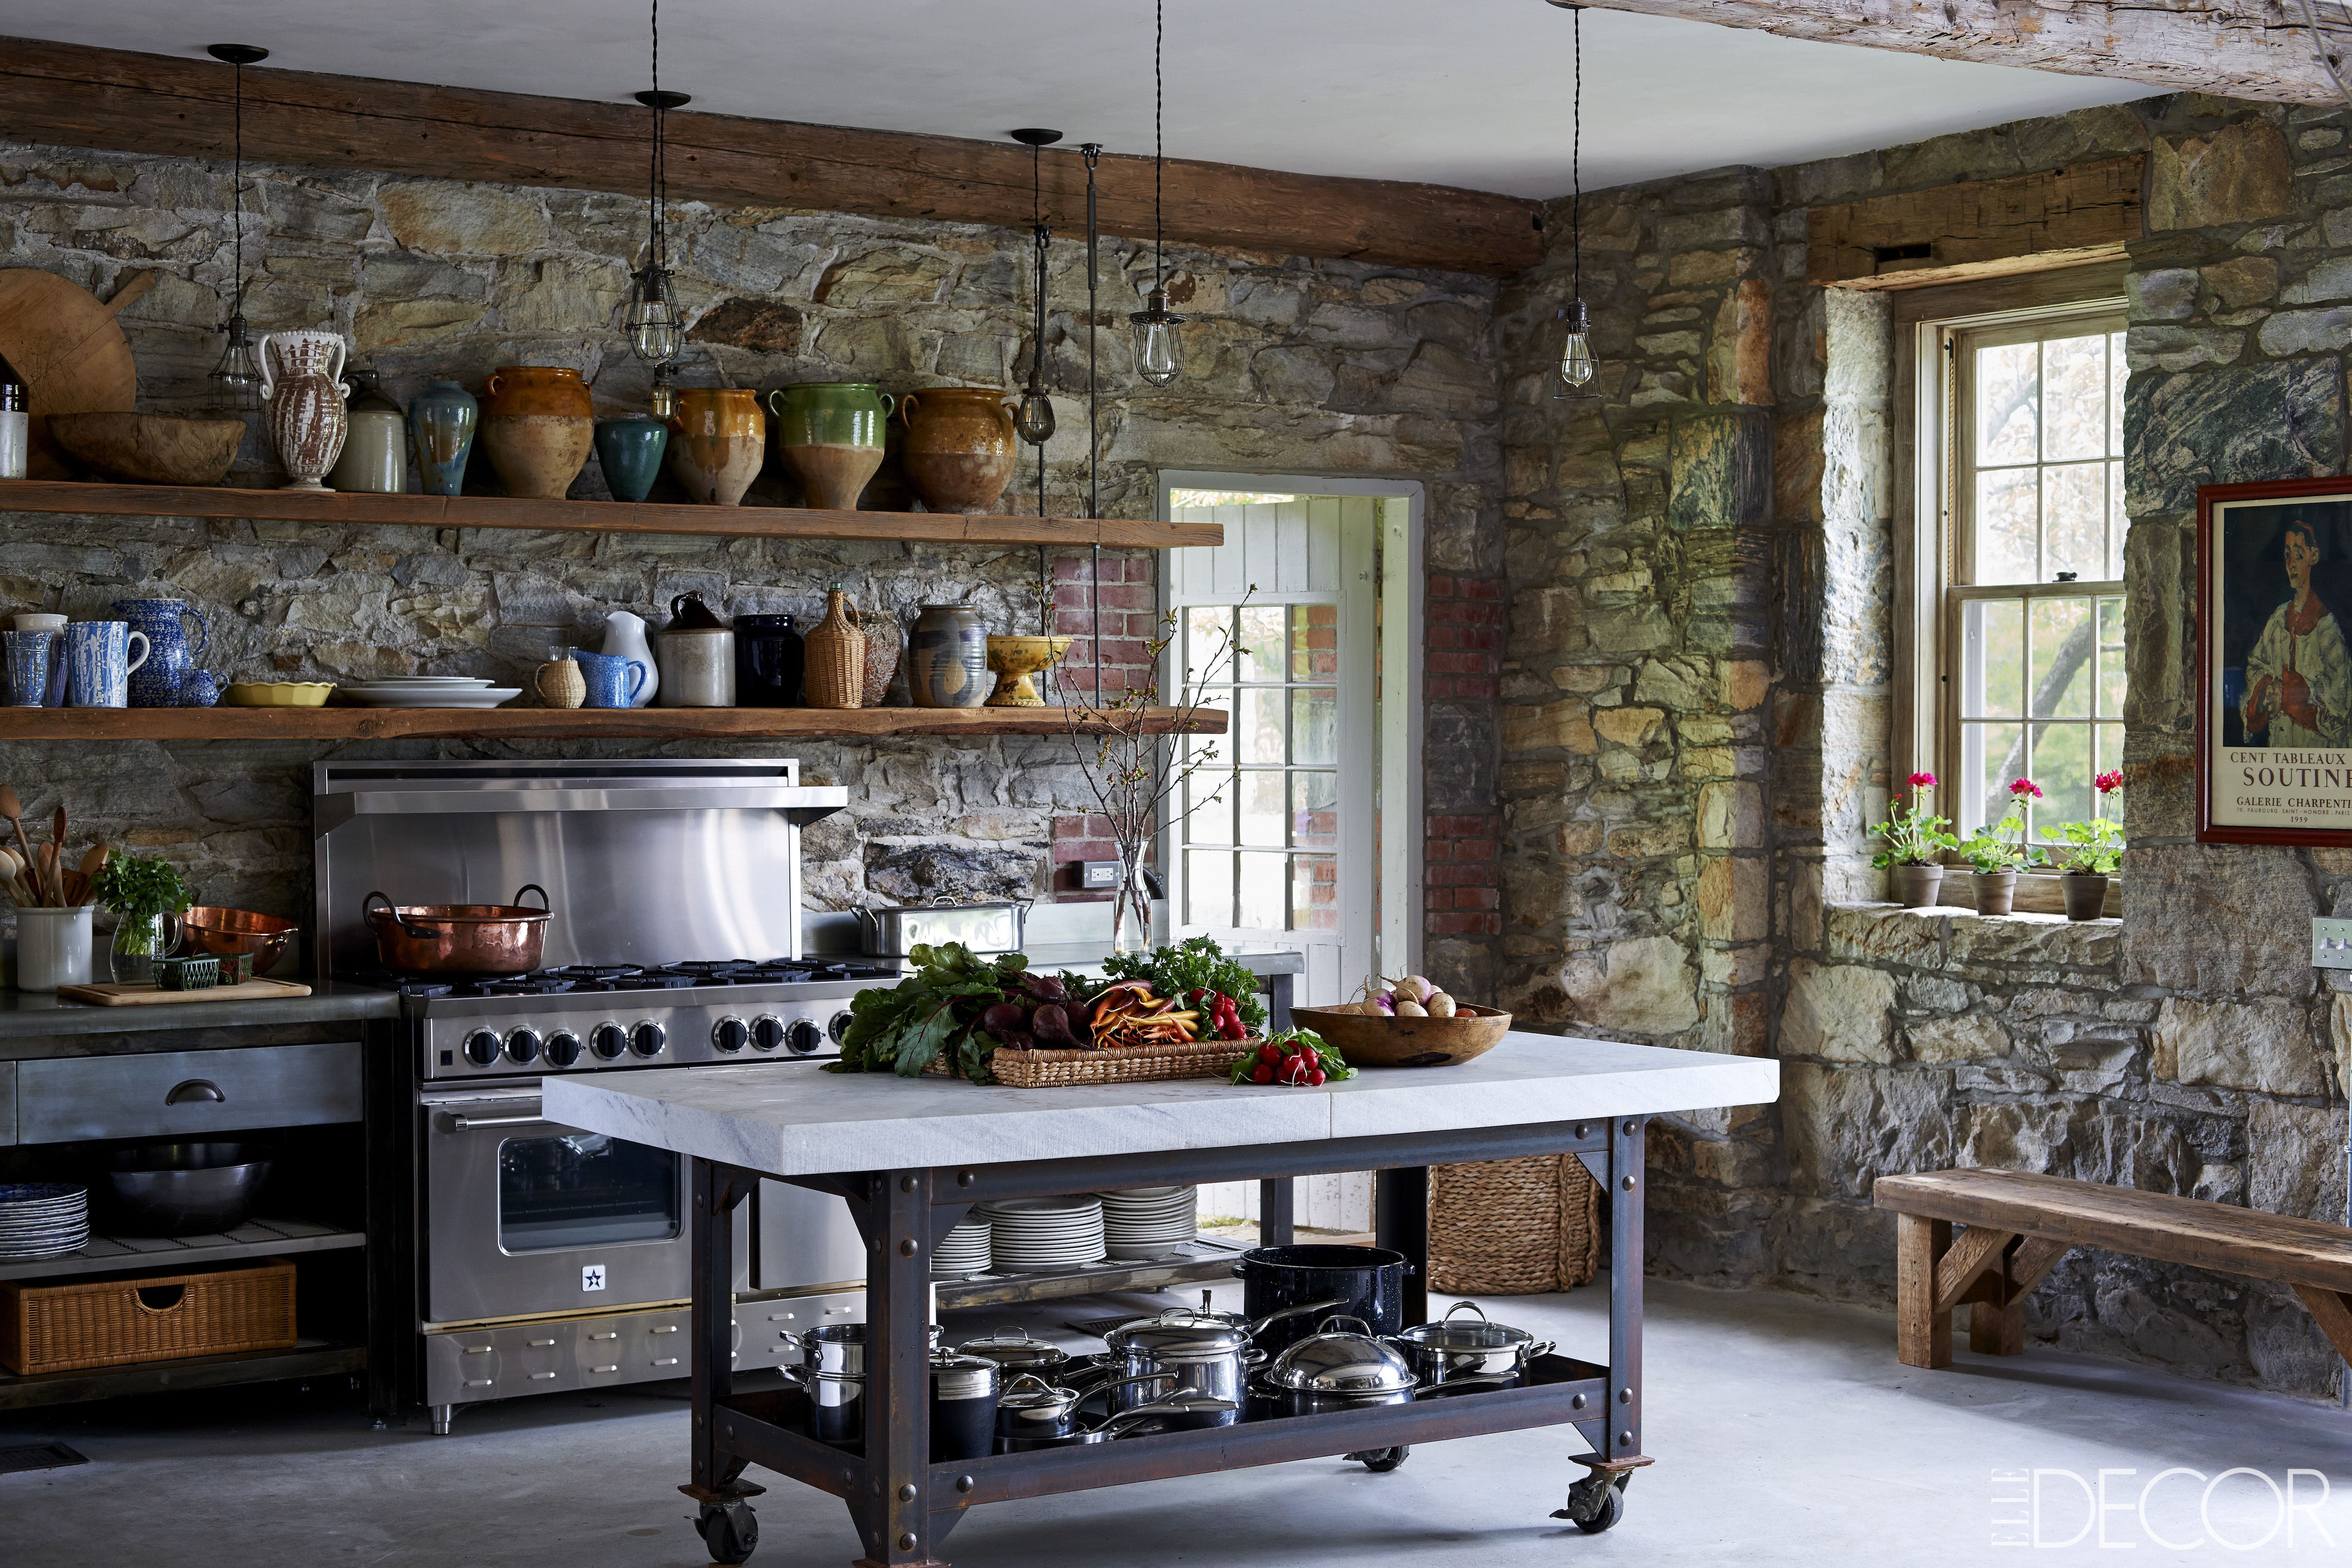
{"x": 179, "y": 1093}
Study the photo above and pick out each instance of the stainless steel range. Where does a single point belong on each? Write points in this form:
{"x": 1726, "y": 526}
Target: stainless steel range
{"x": 549, "y": 1257}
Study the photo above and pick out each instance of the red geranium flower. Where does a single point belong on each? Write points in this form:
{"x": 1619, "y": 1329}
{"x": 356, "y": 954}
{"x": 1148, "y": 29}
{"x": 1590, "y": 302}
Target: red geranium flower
{"x": 2023, "y": 787}
{"x": 1923, "y": 780}
{"x": 2110, "y": 782}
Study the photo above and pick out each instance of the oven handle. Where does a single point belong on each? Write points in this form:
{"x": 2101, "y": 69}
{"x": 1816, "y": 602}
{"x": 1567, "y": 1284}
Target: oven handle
{"x": 456, "y": 1123}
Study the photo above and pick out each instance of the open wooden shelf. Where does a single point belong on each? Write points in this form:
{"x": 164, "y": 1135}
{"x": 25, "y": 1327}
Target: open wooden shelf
{"x": 354, "y": 508}
{"x": 557, "y": 724}
{"x": 309, "y": 1358}
{"x": 256, "y": 1238}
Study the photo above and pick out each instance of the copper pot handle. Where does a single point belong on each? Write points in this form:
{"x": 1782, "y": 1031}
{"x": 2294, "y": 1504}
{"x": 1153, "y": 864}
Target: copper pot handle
{"x": 423, "y": 934}
{"x": 546, "y": 904}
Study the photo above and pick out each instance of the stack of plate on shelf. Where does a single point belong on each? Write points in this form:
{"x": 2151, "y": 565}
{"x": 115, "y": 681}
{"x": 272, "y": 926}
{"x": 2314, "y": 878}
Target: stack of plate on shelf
{"x": 42, "y": 1219}
{"x": 963, "y": 1251}
{"x": 430, "y": 691}
{"x": 1149, "y": 1222}
{"x": 1038, "y": 1236}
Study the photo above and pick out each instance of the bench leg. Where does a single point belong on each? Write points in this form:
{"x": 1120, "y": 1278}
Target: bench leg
{"x": 2329, "y": 1310}
{"x": 1923, "y": 1335}
{"x": 1998, "y": 1331}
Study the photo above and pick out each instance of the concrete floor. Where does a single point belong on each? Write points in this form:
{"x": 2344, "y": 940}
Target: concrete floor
{"x": 1783, "y": 1429}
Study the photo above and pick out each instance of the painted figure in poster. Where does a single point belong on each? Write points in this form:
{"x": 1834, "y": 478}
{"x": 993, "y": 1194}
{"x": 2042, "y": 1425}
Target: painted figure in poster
{"x": 2299, "y": 673}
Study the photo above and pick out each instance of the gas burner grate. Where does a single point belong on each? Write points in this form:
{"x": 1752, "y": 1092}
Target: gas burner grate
{"x": 582, "y": 973}
{"x": 652, "y": 980}
{"x": 527, "y": 985}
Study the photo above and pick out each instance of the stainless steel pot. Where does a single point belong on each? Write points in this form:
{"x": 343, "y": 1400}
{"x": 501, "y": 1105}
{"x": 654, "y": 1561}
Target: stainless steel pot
{"x": 836, "y": 1350}
{"x": 1209, "y": 1354}
{"x": 1339, "y": 1368}
{"x": 459, "y": 939}
{"x": 1182, "y": 1409}
{"x": 964, "y": 1406}
{"x": 1445, "y": 1351}
{"x": 836, "y": 1403}
{"x": 983, "y": 928}
{"x": 187, "y": 1189}
{"x": 1030, "y": 1407}
{"x": 1016, "y": 1349}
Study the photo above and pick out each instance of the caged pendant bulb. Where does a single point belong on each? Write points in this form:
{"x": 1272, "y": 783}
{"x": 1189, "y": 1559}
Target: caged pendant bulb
{"x": 653, "y": 322}
{"x": 1576, "y": 361}
{"x": 1158, "y": 351}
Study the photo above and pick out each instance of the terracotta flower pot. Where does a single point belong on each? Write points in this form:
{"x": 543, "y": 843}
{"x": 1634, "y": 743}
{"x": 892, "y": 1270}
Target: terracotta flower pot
{"x": 537, "y": 428}
{"x": 1996, "y": 891}
{"x": 719, "y": 438}
{"x": 1918, "y": 887}
{"x": 961, "y": 449}
{"x": 2086, "y": 895}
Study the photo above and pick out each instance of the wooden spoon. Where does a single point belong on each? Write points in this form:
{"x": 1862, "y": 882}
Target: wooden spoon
{"x": 13, "y": 810}
{"x": 45, "y": 875}
{"x": 93, "y": 861}
{"x": 11, "y": 870}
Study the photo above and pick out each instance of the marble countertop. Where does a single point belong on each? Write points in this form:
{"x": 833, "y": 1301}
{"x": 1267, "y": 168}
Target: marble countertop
{"x": 813, "y": 1123}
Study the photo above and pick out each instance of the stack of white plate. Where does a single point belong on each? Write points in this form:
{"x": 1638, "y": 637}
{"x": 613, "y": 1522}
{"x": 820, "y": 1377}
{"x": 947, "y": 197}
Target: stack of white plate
{"x": 963, "y": 1251}
{"x": 1038, "y": 1236}
{"x": 430, "y": 691}
{"x": 42, "y": 1219}
{"x": 1149, "y": 1222}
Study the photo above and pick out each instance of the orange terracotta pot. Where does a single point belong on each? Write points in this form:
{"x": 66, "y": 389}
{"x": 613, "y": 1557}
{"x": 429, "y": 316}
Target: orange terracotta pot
{"x": 536, "y": 389}
{"x": 538, "y": 427}
{"x": 961, "y": 449}
{"x": 718, "y": 437}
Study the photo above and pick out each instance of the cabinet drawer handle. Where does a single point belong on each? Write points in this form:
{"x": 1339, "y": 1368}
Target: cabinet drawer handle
{"x": 539, "y": 1376}
{"x": 541, "y": 1345}
{"x": 196, "y": 1088}
{"x": 604, "y": 1369}
{"x": 671, "y": 1361}
{"x": 664, "y": 1328}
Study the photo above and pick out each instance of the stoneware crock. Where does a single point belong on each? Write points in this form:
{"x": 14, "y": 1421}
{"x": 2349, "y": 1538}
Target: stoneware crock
{"x": 947, "y": 658}
{"x": 832, "y": 435}
{"x": 302, "y": 397}
{"x": 718, "y": 440}
{"x": 375, "y": 452}
{"x": 961, "y": 449}
{"x": 537, "y": 428}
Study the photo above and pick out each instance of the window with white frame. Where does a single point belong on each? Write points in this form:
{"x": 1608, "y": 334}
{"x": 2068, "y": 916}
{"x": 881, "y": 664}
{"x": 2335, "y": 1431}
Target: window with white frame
{"x": 2028, "y": 682}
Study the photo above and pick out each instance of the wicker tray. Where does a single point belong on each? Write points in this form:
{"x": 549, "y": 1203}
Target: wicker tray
{"x": 109, "y": 1322}
{"x": 1138, "y": 1063}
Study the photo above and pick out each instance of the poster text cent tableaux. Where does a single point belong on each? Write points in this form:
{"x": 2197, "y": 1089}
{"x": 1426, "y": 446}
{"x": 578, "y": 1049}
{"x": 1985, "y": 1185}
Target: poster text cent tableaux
{"x": 2274, "y": 662}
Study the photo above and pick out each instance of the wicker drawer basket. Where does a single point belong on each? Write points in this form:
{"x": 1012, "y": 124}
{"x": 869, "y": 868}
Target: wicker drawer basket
{"x": 109, "y": 1322}
{"x": 1513, "y": 1227}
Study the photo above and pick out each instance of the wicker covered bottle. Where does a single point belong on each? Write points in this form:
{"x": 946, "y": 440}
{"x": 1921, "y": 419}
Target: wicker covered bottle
{"x": 837, "y": 655}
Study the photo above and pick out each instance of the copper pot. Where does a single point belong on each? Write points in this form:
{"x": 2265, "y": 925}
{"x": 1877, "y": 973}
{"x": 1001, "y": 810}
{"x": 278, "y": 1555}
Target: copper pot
{"x": 459, "y": 939}
{"x": 210, "y": 929}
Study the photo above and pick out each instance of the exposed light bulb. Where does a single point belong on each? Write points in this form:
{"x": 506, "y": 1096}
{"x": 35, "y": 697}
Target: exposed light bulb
{"x": 656, "y": 333}
{"x": 1577, "y": 365}
{"x": 664, "y": 399}
{"x": 1159, "y": 348}
{"x": 1033, "y": 421}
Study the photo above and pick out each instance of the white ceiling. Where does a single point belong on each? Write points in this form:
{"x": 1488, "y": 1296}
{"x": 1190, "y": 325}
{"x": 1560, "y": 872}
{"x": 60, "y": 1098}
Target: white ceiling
{"x": 1460, "y": 92}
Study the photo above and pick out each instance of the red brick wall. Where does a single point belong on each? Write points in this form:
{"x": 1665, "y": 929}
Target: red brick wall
{"x": 1129, "y": 620}
{"x": 1464, "y": 633}
{"x": 1462, "y": 895}
{"x": 1466, "y": 617}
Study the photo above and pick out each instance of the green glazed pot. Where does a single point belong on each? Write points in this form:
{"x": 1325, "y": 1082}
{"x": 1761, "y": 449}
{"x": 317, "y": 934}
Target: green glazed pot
{"x": 832, "y": 435}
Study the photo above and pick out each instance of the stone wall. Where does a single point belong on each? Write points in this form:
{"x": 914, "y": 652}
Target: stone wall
{"x": 1687, "y": 859}
{"x": 1294, "y": 366}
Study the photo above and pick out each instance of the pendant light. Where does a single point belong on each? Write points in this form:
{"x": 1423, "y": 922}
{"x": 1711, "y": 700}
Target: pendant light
{"x": 1159, "y": 347}
{"x": 1577, "y": 365}
{"x": 1092, "y": 152}
{"x": 1034, "y": 420}
{"x": 656, "y": 333}
{"x": 238, "y": 373}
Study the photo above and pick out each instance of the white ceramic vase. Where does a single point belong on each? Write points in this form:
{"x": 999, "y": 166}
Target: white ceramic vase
{"x": 302, "y": 397}
{"x": 624, "y": 637}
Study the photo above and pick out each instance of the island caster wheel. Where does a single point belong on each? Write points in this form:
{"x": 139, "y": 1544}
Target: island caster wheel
{"x": 1594, "y": 1503}
{"x": 1612, "y": 1509}
{"x": 1380, "y": 1461}
{"x": 730, "y": 1529}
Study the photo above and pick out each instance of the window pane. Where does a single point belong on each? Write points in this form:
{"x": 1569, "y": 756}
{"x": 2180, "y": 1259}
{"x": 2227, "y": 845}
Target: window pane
{"x": 2074, "y": 398}
{"x": 2117, "y": 372}
{"x": 1209, "y": 806}
{"x": 1993, "y": 754}
{"x": 1314, "y": 725}
{"x": 1257, "y": 726}
{"x": 2007, "y": 404}
{"x": 2116, "y": 522}
{"x": 2110, "y": 663}
{"x": 1204, "y": 643}
{"x": 1261, "y": 649}
{"x": 2007, "y": 504}
{"x": 2061, "y": 767}
{"x": 1262, "y": 879}
{"x": 1315, "y": 642}
{"x": 2075, "y": 521}
{"x": 2061, "y": 671}
{"x": 1992, "y": 657}
{"x": 2111, "y": 757}
{"x": 1315, "y": 810}
{"x": 1315, "y": 894}
{"x": 1264, "y": 818}
{"x": 1208, "y": 889}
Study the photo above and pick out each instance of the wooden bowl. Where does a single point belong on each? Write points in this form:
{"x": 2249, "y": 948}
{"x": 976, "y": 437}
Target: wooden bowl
{"x": 214, "y": 929}
{"x": 150, "y": 448}
{"x": 1364, "y": 1040}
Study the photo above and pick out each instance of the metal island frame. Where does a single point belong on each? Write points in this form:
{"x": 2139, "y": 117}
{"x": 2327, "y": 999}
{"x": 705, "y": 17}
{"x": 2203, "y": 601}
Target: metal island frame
{"x": 912, "y": 1156}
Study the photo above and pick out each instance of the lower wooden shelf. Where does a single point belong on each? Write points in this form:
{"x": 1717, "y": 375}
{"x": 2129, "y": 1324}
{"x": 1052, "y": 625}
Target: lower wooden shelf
{"x": 567, "y": 723}
{"x": 123, "y": 1254}
{"x": 309, "y": 1358}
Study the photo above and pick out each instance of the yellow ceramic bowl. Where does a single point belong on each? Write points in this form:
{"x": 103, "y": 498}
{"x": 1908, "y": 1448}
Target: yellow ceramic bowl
{"x": 1015, "y": 659}
{"x": 277, "y": 693}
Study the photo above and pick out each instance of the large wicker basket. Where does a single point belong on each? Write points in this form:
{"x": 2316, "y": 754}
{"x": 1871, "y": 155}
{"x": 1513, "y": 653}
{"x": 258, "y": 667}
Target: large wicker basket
{"x": 1137, "y": 1064}
{"x": 1513, "y": 1227}
{"x": 110, "y": 1322}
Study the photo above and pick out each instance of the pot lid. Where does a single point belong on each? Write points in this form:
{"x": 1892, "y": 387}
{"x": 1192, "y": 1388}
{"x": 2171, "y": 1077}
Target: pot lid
{"x": 1448, "y": 1335}
{"x": 1011, "y": 1348}
{"x": 1340, "y": 1361}
{"x": 1179, "y": 1334}
{"x": 1030, "y": 1393}
{"x": 955, "y": 1376}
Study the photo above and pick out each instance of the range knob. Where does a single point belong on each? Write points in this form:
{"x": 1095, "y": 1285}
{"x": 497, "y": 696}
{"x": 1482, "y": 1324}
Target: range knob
{"x": 839, "y": 1027}
{"x": 767, "y": 1032}
{"x": 649, "y": 1038}
{"x": 522, "y": 1045}
{"x": 730, "y": 1035}
{"x": 563, "y": 1048}
{"x": 608, "y": 1040}
{"x": 803, "y": 1036}
{"x": 482, "y": 1047}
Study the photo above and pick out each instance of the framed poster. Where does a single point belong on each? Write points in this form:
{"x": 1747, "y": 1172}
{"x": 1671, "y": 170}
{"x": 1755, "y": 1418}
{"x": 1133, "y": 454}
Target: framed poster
{"x": 2274, "y": 662}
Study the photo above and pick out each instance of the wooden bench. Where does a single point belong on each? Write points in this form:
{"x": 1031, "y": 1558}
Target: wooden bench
{"x": 2020, "y": 1226}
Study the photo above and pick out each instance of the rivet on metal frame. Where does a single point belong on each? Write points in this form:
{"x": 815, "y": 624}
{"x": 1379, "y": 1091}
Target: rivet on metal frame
{"x": 1581, "y": 1130}
{"x": 906, "y": 1492}
{"x": 963, "y": 1483}
{"x": 1624, "y": 1396}
{"x": 1627, "y": 1437}
{"x": 964, "y": 1178}
{"x": 907, "y": 1540}
{"x": 1576, "y": 1403}
{"x": 1631, "y": 1128}
{"x": 906, "y": 1248}
{"x": 906, "y": 1183}
{"x": 1627, "y": 1184}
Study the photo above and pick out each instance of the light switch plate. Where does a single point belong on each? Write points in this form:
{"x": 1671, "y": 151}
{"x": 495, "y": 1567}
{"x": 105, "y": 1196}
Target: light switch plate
{"x": 2331, "y": 943}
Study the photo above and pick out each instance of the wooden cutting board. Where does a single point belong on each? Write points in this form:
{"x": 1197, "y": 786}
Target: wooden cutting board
{"x": 141, "y": 995}
{"x": 71, "y": 352}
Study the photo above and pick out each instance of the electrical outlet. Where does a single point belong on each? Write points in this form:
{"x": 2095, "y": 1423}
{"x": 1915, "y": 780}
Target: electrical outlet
{"x": 2331, "y": 943}
{"x": 1097, "y": 875}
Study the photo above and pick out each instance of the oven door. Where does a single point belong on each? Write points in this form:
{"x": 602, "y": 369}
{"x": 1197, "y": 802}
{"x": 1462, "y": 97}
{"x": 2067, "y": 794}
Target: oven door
{"x": 525, "y": 1217}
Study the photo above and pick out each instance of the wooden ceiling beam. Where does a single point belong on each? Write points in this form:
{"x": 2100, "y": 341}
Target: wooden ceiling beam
{"x": 2237, "y": 48}
{"x": 115, "y": 101}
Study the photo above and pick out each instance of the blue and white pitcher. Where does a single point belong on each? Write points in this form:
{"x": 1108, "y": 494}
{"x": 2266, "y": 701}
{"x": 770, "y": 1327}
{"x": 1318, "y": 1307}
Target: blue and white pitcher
{"x": 158, "y": 682}
{"x": 99, "y": 664}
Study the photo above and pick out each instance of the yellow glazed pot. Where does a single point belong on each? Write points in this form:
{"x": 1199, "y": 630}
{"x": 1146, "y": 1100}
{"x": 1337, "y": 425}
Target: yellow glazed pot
{"x": 537, "y": 428}
{"x": 961, "y": 449}
{"x": 718, "y": 437}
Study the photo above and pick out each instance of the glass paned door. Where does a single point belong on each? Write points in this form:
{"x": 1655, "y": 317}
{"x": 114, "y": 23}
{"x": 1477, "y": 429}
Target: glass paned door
{"x": 584, "y": 1189}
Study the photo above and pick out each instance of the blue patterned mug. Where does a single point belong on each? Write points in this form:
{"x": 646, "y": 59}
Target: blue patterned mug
{"x": 29, "y": 657}
{"x": 613, "y": 681}
{"x": 98, "y": 663}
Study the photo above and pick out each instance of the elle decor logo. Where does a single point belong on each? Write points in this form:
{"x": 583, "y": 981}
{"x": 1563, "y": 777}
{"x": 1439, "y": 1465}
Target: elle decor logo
{"x": 2240, "y": 1509}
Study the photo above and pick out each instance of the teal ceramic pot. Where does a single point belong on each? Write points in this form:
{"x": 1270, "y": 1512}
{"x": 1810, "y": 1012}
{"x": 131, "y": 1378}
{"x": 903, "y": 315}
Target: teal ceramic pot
{"x": 631, "y": 449}
{"x": 832, "y": 435}
{"x": 442, "y": 420}
{"x": 947, "y": 658}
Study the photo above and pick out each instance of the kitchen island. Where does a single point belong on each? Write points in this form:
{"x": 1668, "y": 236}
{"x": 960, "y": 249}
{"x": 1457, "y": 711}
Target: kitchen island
{"x": 911, "y": 1158}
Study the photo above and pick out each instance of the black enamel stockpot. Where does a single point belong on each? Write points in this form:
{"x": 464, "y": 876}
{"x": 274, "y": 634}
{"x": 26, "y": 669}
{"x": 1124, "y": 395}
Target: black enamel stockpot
{"x": 1370, "y": 1279}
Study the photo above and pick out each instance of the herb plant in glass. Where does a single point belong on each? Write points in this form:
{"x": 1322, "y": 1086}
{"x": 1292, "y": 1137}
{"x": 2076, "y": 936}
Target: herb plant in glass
{"x": 148, "y": 895}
